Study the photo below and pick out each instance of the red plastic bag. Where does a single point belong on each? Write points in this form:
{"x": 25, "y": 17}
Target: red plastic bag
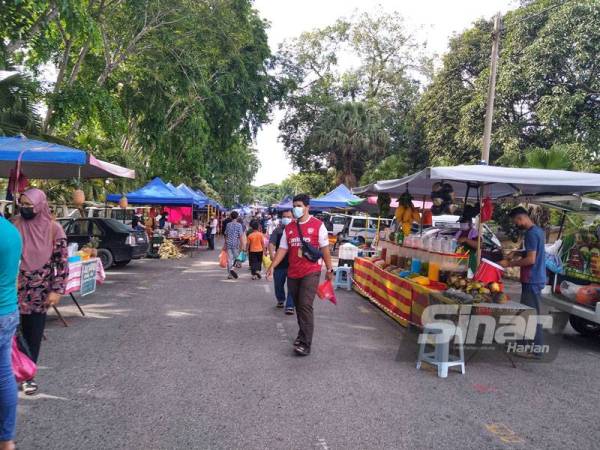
{"x": 223, "y": 259}
{"x": 23, "y": 367}
{"x": 487, "y": 210}
{"x": 325, "y": 292}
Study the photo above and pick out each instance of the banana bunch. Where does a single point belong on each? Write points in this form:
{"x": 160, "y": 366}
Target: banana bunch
{"x": 406, "y": 213}
{"x": 168, "y": 250}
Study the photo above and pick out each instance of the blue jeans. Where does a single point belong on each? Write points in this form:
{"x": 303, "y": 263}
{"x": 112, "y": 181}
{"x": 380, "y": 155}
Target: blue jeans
{"x": 232, "y": 254}
{"x": 531, "y": 296}
{"x": 279, "y": 277}
{"x": 8, "y": 384}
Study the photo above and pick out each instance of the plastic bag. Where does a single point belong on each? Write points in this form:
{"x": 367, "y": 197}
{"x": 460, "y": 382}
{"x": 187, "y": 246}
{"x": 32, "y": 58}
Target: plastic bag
{"x": 325, "y": 292}
{"x": 266, "y": 261}
{"x": 23, "y": 367}
{"x": 223, "y": 259}
{"x": 242, "y": 257}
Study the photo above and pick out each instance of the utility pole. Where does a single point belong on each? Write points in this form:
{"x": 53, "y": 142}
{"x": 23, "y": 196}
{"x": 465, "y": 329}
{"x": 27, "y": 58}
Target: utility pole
{"x": 489, "y": 112}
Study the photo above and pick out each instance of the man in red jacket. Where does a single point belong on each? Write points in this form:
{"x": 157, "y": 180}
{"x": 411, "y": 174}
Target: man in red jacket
{"x": 304, "y": 268}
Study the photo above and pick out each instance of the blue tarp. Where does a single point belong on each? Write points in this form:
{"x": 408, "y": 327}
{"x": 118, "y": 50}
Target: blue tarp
{"x": 45, "y": 160}
{"x": 285, "y": 204}
{"x": 156, "y": 192}
{"x": 338, "y": 198}
{"x": 199, "y": 200}
{"x": 210, "y": 201}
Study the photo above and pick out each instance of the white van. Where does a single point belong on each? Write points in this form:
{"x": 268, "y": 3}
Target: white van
{"x": 362, "y": 229}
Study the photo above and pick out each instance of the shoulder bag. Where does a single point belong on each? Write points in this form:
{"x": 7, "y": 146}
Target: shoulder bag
{"x": 308, "y": 251}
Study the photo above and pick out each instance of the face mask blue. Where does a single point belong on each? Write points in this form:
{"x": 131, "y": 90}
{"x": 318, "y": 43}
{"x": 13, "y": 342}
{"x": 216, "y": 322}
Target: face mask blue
{"x": 298, "y": 211}
{"x": 286, "y": 221}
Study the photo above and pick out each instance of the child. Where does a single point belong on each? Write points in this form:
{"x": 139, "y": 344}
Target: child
{"x": 256, "y": 249}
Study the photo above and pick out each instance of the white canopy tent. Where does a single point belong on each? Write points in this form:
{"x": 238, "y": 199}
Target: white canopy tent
{"x": 500, "y": 181}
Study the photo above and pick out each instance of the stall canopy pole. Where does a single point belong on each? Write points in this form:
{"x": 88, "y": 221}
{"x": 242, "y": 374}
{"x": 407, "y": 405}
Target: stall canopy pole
{"x": 480, "y": 224}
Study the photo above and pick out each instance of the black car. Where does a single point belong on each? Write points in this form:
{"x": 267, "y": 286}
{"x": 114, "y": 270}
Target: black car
{"x": 118, "y": 245}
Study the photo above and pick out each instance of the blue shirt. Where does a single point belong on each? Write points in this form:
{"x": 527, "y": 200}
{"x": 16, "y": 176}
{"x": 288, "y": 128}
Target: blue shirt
{"x": 535, "y": 242}
{"x": 10, "y": 257}
{"x": 233, "y": 233}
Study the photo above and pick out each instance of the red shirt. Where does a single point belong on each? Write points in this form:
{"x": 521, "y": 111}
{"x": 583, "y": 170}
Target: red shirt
{"x": 299, "y": 267}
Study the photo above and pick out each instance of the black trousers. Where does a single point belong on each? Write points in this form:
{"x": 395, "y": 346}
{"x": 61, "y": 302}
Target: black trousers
{"x": 32, "y": 326}
{"x": 303, "y": 291}
{"x": 255, "y": 259}
{"x": 211, "y": 240}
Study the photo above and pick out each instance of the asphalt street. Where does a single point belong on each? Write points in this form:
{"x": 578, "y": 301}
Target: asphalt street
{"x": 172, "y": 355}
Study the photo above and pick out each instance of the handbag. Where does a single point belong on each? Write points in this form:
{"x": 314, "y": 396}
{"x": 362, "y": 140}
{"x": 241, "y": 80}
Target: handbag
{"x": 242, "y": 257}
{"x": 23, "y": 367}
{"x": 308, "y": 251}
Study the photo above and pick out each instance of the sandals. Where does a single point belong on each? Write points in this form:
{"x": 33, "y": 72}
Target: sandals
{"x": 30, "y": 387}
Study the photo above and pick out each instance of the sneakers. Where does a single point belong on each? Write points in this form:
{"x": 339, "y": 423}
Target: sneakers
{"x": 289, "y": 311}
{"x": 302, "y": 350}
{"x": 30, "y": 387}
{"x": 233, "y": 274}
{"x": 279, "y": 304}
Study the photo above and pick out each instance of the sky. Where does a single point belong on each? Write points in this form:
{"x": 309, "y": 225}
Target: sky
{"x": 431, "y": 21}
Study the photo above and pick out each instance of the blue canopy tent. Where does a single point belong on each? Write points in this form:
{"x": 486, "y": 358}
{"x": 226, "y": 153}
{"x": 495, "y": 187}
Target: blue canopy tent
{"x": 46, "y": 160}
{"x": 340, "y": 197}
{"x": 200, "y": 201}
{"x": 210, "y": 201}
{"x": 156, "y": 192}
{"x": 285, "y": 204}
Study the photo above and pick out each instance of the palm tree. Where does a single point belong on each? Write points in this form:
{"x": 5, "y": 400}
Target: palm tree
{"x": 17, "y": 104}
{"x": 555, "y": 158}
{"x": 349, "y": 135}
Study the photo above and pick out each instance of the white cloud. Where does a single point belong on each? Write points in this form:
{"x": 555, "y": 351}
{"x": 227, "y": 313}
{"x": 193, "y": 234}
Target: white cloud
{"x": 433, "y": 21}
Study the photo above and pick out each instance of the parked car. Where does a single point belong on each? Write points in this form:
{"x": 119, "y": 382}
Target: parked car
{"x": 361, "y": 229}
{"x": 118, "y": 245}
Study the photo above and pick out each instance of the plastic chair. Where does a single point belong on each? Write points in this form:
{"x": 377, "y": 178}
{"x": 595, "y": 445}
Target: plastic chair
{"x": 343, "y": 278}
{"x": 441, "y": 334}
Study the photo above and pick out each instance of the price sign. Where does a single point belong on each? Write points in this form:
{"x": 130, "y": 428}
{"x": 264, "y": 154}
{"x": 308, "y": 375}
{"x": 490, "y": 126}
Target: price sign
{"x": 88, "y": 277}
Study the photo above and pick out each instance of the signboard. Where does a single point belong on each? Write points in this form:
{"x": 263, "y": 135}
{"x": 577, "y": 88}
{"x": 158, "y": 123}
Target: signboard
{"x": 88, "y": 277}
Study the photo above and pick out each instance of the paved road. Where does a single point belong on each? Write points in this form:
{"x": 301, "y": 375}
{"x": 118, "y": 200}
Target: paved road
{"x": 172, "y": 355}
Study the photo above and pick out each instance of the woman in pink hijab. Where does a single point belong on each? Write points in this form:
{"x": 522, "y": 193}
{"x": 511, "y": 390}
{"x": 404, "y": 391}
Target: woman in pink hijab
{"x": 44, "y": 269}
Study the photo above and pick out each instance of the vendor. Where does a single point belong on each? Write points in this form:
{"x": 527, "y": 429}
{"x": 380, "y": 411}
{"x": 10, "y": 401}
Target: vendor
{"x": 467, "y": 236}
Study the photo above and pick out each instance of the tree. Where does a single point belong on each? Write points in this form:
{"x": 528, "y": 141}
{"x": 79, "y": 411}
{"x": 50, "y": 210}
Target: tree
{"x": 314, "y": 184}
{"x": 547, "y": 91}
{"x": 382, "y": 84}
{"x": 174, "y": 88}
{"x": 554, "y": 158}
{"x": 18, "y": 94}
{"x": 268, "y": 194}
{"x": 347, "y": 136}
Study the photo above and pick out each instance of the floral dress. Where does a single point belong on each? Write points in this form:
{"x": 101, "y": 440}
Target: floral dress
{"x": 35, "y": 285}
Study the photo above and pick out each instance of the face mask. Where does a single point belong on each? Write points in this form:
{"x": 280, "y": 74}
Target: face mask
{"x": 286, "y": 221}
{"x": 27, "y": 212}
{"x": 298, "y": 211}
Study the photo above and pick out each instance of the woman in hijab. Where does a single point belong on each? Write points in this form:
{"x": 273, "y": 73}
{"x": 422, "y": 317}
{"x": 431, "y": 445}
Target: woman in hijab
{"x": 44, "y": 269}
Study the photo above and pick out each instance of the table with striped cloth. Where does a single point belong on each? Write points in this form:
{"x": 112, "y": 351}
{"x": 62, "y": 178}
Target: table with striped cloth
{"x": 74, "y": 280}
{"x": 390, "y": 292}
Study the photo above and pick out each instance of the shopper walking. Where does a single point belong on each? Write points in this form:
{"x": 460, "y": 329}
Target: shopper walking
{"x": 44, "y": 269}
{"x": 10, "y": 256}
{"x": 532, "y": 261}
{"x": 212, "y": 233}
{"x": 235, "y": 239}
{"x": 256, "y": 249}
{"x": 306, "y": 242}
{"x": 281, "y": 272}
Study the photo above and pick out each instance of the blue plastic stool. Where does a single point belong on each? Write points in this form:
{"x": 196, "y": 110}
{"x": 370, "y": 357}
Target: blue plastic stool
{"x": 343, "y": 278}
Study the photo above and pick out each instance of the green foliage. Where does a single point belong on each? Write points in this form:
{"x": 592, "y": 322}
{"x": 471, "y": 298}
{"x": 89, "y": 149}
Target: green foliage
{"x": 314, "y": 184}
{"x": 546, "y": 94}
{"x": 268, "y": 194}
{"x": 367, "y": 107}
{"x": 553, "y": 158}
{"x": 393, "y": 166}
{"x": 176, "y": 89}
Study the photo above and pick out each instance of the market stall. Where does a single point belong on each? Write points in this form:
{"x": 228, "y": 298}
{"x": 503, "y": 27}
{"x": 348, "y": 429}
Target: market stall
{"x": 417, "y": 267}
{"x": 84, "y": 276}
{"x": 167, "y": 243}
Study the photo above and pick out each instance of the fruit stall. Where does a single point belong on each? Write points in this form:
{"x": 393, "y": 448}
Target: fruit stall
{"x": 420, "y": 263}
